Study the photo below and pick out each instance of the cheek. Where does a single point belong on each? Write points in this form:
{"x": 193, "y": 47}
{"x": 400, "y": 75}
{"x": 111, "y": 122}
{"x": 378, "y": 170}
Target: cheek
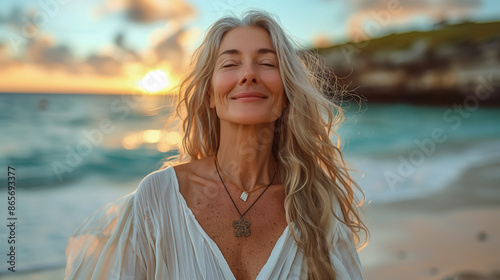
{"x": 276, "y": 85}
{"x": 220, "y": 87}
{"x": 222, "y": 84}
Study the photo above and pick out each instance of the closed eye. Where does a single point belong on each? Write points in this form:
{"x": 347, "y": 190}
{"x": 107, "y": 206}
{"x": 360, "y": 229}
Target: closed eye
{"x": 268, "y": 64}
{"x": 228, "y": 65}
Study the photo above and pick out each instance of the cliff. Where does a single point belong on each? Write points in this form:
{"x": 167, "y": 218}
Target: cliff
{"x": 452, "y": 64}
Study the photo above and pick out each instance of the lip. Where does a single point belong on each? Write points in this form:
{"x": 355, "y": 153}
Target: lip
{"x": 249, "y": 96}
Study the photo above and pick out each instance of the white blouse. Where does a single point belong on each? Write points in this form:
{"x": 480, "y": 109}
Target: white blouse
{"x": 152, "y": 234}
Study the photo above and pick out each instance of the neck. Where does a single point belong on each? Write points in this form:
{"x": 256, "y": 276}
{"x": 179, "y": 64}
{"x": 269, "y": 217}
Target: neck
{"x": 245, "y": 154}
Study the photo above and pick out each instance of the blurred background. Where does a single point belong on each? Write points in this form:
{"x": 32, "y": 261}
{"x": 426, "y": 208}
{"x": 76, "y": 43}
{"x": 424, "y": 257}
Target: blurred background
{"x": 86, "y": 89}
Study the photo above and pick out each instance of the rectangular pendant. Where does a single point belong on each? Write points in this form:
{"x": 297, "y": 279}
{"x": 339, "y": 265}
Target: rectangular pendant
{"x": 244, "y": 196}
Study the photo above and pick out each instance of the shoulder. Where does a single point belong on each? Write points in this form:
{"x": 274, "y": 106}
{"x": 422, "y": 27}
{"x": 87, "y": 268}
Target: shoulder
{"x": 195, "y": 167}
{"x": 166, "y": 183}
{"x": 155, "y": 185}
{"x": 192, "y": 173}
{"x": 157, "y": 179}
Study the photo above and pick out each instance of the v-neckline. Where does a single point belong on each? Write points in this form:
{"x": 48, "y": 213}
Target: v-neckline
{"x": 212, "y": 243}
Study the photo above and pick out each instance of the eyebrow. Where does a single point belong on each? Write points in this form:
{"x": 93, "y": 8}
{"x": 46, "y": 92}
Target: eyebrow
{"x": 259, "y": 51}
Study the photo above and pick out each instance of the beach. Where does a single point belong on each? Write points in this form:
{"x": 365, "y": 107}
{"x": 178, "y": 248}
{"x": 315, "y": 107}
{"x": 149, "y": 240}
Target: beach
{"x": 454, "y": 231}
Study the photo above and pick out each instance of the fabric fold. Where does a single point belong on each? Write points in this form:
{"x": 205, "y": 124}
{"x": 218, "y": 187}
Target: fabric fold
{"x": 152, "y": 234}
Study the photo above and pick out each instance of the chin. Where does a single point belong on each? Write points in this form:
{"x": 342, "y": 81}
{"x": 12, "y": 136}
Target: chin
{"x": 252, "y": 119}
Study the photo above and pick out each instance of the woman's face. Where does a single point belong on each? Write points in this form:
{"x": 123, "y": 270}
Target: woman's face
{"x": 246, "y": 83}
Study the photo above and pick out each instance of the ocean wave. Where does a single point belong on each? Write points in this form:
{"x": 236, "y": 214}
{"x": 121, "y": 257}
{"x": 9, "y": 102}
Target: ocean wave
{"x": 403, "y": 175}
{"x": 51, "y": 168}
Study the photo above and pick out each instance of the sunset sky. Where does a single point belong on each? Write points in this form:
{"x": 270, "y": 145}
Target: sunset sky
{"x": 94, "y": 46}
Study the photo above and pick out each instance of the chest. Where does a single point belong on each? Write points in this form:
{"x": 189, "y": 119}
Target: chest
{"x": 216, "y": 214}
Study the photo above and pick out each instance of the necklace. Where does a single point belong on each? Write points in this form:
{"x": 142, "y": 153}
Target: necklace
{"x": 242, "y": 227}
{"x": 244, "y": 194}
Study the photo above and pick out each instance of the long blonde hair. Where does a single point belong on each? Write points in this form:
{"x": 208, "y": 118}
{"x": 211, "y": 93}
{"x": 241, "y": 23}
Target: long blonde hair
{"x": 312, "y": 168}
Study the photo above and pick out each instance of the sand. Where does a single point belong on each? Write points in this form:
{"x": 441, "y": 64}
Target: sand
{"x": 453, "y": 233}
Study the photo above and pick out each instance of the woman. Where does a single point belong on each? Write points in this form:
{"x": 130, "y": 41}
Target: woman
{"x": 263, "y": 193}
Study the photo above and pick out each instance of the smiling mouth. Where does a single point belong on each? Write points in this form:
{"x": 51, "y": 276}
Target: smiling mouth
{"x": 250, "y": 96}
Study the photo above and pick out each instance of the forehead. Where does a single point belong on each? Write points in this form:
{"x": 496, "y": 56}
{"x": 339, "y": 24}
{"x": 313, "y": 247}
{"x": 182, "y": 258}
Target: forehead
{"x": 246, "y": 38}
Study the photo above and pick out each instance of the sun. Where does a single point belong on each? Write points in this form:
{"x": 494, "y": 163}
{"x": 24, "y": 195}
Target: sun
{"x": 154, "y": 81}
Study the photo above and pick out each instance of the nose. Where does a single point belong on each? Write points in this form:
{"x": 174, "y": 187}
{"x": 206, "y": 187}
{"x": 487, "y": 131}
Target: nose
{"x": 248, "y": 76}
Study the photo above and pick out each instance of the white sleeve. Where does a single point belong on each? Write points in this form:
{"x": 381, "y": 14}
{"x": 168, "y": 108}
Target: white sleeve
{"x": 344, "y": 255}
{"x": 107, "y": 244}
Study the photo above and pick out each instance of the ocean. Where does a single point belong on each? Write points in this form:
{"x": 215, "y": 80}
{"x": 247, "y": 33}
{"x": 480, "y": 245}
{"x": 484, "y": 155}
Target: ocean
{"x": 72, "y": 154}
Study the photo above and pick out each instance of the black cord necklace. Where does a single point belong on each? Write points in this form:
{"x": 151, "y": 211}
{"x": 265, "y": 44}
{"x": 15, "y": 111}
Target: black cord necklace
{"x": 242, "y": 227}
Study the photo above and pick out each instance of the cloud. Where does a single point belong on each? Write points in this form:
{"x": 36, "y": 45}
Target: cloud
{"x": 5, "y": 60}
{"x": 125, "y": 53}
{"x": 321, "y": 40}
{"x": 44, "y": 52}
{"x": 46, "y": 56}
{"x": 392, "y": 13}
{"x": 104, "y": 65}
{"x": 170, "y": 49}
{"x": 362, "y": 5}
{"x": 168, "y": 46}
{"x": 150, "y": 11}
{"x": 120, "y": 39}
{"x": 14, "y": 18}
